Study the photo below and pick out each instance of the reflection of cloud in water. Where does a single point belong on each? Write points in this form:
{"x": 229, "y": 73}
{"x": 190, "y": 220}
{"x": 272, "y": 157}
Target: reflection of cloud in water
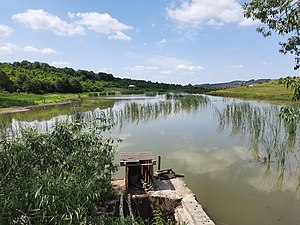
{"x": 124, "y": 143}
{"x": 209, "y": 160}
{"x": 271, "y": 179}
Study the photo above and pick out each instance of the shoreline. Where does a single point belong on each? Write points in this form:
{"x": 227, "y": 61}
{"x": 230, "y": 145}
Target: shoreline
{"x": 17, "y": 109}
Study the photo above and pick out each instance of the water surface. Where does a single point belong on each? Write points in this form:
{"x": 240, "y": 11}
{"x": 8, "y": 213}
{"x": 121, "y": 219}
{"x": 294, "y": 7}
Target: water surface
{"x": 240, "y": 159}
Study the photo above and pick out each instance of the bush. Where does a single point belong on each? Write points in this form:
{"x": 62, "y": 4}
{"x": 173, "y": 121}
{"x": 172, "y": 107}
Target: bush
{"x": 58, "y": 177}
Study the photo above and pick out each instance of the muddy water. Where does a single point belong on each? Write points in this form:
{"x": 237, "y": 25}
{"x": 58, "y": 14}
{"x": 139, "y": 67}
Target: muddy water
{"x": 221, "y": 145}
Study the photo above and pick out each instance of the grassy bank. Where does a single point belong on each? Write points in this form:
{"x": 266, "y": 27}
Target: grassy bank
{"x": 269, "y": 91}
{"x": 23, "y": 99}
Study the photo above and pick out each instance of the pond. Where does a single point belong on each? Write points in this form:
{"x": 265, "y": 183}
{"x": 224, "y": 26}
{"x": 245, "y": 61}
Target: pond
{"x": 240, "y": 159}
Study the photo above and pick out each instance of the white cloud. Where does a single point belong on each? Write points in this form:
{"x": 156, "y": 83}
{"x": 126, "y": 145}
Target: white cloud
{"x": 100, "y": 23}
{"x": 5, "y": 31}
{"x": 162, "y": 41}
{"x": 166, "y": 61}
{"x": 48, "y": 51}
{"x": 141, "y": 69}
{"x": 41, "y": 20}
{"x": 267, "y": 63}
{"x": 8, "y": 49}
{"x": 166, "y": 72}
{"x": 239, "y": 66}
{"x": 31, "y": 49}
{"x": 60, "y": 63}
{"x": 103, "y": 24}
{"x": 207, "y": 12}
{"x": 119, "y": 35}
{"x": 45, "y": 51}
{"x": 174, "y": 64}
{"x": 190, "y": 68}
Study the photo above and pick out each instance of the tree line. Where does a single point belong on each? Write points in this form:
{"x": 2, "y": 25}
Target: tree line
{"x": 40, "y": 78}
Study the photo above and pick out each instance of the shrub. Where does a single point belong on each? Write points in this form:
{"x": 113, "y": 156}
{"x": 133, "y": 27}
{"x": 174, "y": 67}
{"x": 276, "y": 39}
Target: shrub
{"x": 58, "y": 177}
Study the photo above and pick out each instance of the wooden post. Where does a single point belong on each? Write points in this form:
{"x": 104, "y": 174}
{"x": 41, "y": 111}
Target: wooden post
{"x": 121, "y": 211}
{"x": 126, "y": 177}
{"x": 159, "y": 160}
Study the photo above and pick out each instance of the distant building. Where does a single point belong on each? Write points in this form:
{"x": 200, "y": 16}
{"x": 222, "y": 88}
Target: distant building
{"x": 131, "y": 86}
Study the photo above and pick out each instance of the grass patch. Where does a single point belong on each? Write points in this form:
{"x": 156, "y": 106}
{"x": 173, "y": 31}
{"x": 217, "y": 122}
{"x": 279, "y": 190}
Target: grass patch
{"x": 24, "y": 99}
{"x": 268, "y": 91}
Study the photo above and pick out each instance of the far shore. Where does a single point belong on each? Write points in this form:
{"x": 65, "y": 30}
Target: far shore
{"x": 27, "y": 108}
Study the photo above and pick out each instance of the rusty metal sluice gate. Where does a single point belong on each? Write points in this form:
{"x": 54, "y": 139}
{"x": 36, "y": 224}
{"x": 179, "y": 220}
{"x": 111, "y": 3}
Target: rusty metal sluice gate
{"x": 164, "y": 190}
{"x": 138, "y": 171}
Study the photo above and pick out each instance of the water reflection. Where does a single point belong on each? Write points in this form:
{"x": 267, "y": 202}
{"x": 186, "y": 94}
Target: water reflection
{"x": 211, "y": 160}
{"x": 208, "y": 141}
{"x": 43, "y": 118}
{"x": 119, "y": 112}
{"x": 273, "y": 142}
{"x": 136, "y": 112}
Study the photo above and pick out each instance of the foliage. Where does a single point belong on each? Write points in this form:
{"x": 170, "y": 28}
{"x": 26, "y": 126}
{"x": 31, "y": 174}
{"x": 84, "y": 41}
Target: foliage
{"x": 157, "y": 219}
{"x": 5, "y": 82}
{"x": 281, "y": 17}
{"x": 40, "y": 78}
{"x": 58, "y": 177}
{"x": 294, "y": 83}
{"x": 290, "y": 114}
{"x": 111, "y": 219}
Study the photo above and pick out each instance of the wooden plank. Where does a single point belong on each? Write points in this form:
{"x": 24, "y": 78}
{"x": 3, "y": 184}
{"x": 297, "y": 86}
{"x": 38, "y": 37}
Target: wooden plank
{"x": 136, "y": 156}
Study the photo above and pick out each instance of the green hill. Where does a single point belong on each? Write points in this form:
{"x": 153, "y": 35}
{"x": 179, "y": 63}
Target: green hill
{"x": 269, "y": 91}
{"x": 29, "y": 83}
{"x": 40, "y": 78}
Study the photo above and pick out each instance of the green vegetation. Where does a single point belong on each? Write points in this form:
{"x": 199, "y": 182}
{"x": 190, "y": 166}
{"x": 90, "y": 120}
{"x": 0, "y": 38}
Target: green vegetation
{"x": 41, "y": 78}
{"x": 59, "y": 177}
{"x": 25, "y": 99}
{"x": 269, "y": 91}
{"x": 272, "y": 132}
{"x": 294, "y": 84}
{"x": 281, "y": 17}
{"x": 157, "y": 219}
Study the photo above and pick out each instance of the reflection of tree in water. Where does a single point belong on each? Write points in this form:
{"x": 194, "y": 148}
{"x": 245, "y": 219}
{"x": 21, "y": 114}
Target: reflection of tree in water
{"x": 145, "y": 111}
{"x": 273, "y": 140}
{"x": 44, "y": 117}
{"x": 132, "y": 111}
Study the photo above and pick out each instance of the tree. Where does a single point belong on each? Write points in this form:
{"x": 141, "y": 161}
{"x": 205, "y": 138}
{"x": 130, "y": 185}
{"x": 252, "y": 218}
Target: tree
{"x": 63, "y": 85}
{"x": 293, "y": 83}
{"x": 281, "y": 17}
{"x": 5, "y": 83}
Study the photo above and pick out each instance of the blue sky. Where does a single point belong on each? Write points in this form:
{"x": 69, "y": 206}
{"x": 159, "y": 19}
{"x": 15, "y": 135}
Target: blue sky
{"x": 172, "y": 41}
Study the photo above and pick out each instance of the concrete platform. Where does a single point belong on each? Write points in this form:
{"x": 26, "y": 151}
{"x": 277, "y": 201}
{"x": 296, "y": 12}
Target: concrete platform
{"x": 175, "y": 197}
{"x": 186, "y": 208}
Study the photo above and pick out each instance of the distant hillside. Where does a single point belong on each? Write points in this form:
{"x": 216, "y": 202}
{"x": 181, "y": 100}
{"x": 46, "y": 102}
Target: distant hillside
{"x": 269, "y": 91}
{"x": 40, "y": 78}
{"x": 236, "y": 83}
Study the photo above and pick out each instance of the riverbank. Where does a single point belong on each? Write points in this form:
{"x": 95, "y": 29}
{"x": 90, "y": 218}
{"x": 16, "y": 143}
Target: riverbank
{"x": 271, "y": 91}
{"x": 20, "y": 102}
{"x": 27, "y": 108}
